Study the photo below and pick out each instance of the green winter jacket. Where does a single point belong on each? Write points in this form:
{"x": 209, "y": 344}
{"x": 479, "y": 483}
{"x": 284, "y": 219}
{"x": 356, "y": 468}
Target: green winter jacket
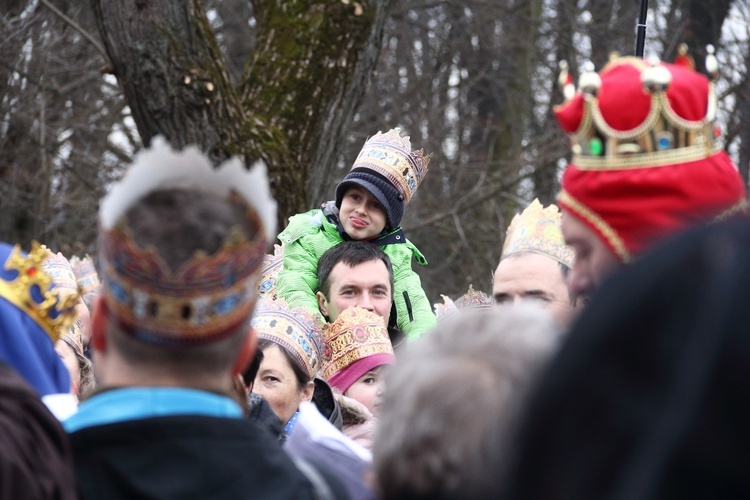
{"x": 310, "y": 234}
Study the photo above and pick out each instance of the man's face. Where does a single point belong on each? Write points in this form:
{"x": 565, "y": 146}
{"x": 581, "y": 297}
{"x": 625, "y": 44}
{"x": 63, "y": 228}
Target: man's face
{"x": 594, "y": 260}
{"x": 530, "y": 276}
{"x": 366, "y": 285}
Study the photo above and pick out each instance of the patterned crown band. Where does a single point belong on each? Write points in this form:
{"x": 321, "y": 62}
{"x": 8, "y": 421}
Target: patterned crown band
{"x": 537, "y": 230}
{"x": 390, "y": 155}
{"x": 207, "y": 296}
{"x": 635, "y": 114}
{"x": 269, "y": 272}
{"x": 297, "y": 330}
{"x": 356, "y": 334}
{"x": 57, "y": 267}
{"x": 24, "y": 284}
{"x": 86, "y": 275}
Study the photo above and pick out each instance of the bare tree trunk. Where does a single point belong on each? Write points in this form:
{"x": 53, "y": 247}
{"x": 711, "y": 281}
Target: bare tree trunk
{"x": 308, "y": 73}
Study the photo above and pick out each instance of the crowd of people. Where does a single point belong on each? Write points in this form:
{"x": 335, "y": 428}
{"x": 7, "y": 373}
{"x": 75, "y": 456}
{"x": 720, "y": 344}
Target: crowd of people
{"x": 186, "y": 360}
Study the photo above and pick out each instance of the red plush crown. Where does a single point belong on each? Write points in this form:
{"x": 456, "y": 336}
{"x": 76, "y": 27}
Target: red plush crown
{"x": 645, "y": 161}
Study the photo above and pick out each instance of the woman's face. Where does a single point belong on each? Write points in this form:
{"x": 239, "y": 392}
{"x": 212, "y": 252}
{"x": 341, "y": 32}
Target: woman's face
{"x": 277, "y": 384}
{"x": 70, "y": 360}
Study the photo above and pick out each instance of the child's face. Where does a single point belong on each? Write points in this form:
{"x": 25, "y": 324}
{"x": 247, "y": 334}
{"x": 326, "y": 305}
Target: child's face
{"x": 361, "y": 214}
{"x": 369, "y": 388}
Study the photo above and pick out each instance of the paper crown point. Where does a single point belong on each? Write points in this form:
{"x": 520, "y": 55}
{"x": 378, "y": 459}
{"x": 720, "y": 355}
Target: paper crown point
{"x": 297, "y": 330}
{"x": 208, "y": 296}
{"x": 269, "y": 272}
{"x": 356, "y": 334}
{"x": 472, "y": 299}
{"x": 85, "y": 273}
{"x": 24, "y": 283}
{"x": 390, "y": 155}
{"x": 537, "y": 229}
{"x": 57, "y": 267}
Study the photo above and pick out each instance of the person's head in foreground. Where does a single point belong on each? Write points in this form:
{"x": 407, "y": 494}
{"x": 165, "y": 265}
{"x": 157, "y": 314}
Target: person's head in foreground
{"x": 180, "y": 264}
{"x": 646, "y": 163}
{"x": 648, "y": 396}
{"x": 374, "y": 194}
{"x": 357, "y": 355}
{"x": 445, "y": 427}
{"x": 535, "y": 263}
{"x": 292, "y": 344}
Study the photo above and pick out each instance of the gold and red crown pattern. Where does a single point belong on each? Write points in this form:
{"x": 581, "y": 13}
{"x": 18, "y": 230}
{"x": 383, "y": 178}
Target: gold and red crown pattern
{"x": 390, "y": 155}
{"x": 297, "y": 330}
{"x": 356, "y": 334}
{"x": 24, "y": 284}
{"x": 537, "y": 230}
{"x": 86, "y": 275}
{"x": 636, "y": 114}
{"x": 645, "y": 161}
{"x": 269, "y": 272}
{"x": 208, "y": 296}
{"x": 57, "y": 267}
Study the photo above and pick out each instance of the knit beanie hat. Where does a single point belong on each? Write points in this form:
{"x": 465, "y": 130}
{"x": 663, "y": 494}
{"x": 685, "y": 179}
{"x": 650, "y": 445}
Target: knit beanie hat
{"x": 380, "y": 188}
{"x": 390, "y": 170}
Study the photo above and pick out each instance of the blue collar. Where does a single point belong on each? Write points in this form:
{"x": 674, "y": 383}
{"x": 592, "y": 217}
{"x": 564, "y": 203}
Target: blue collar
{"x": 134, "y": 403}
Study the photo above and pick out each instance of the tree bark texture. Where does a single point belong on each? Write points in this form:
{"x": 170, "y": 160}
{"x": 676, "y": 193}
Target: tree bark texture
{"x": 298, "y": 96}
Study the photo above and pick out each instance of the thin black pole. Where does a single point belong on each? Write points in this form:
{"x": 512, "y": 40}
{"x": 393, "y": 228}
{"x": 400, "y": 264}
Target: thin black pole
{"x": 640, "y": 29}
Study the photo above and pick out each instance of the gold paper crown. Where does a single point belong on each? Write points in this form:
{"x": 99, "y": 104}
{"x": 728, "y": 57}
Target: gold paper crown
{"x": 207, "y": 296}
{"x": 24, "y": 284}
{"x": 390, "y": 155}
{"x": 269, "y": 272}
{"x": 298, "y": 330}
{"x": 662, "y": 137}
{"x": 356, "y": 334}
{"x": 537, "y": 230}
{"x": 86, "y": 275}
{"x": 57, "y": 267}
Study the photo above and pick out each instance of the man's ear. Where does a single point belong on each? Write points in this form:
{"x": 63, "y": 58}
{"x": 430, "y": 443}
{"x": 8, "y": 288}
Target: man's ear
{"x": 99, "y": 325}
{"x": 247, "y": 351}
{"x": 322, "y": 303}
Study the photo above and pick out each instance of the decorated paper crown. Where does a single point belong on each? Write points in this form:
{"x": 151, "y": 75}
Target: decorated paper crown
{"x": 445, "y": 310}
{"x": 537, "y": 230}
{"x": 390, "y": 155}
{"x": 472, "y": 299}
{"x": 269, "y": 271}
{"x": 297, "y": 330}
{"x": 72, "y": 335}
{"x": 24, "y": 284}
{"x": 645, "y": 161}
{"x": 208, "y": 296}
{"x": 356, "y": 334}
{"x": 86, "y": 275}
{"x": 57, "y": 267}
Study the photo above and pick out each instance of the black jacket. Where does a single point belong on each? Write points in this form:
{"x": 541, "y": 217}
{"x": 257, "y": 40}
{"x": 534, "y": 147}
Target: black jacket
{"x": 184, "y": 457}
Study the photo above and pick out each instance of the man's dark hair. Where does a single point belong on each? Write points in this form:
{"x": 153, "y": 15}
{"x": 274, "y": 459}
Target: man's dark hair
{"x": 351, "y": 253}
